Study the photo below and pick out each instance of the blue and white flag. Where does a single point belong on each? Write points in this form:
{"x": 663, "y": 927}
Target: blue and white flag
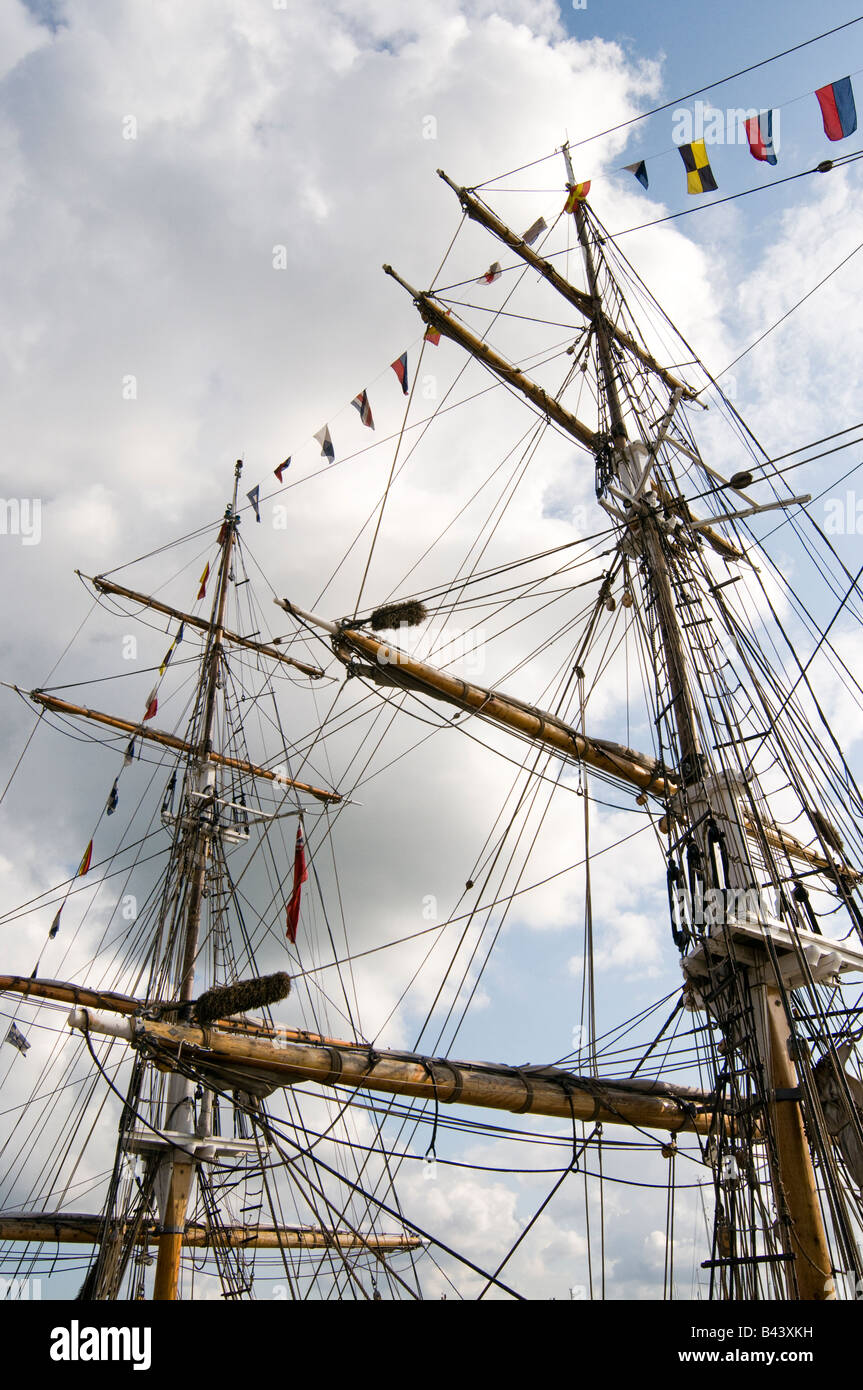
{"x": 323, "y": 438}
{"x": 17, "y": 1039}
{"x": 534, "y": 230}
{"x": 639, "y": 170}
{"x": 361, "y": 405}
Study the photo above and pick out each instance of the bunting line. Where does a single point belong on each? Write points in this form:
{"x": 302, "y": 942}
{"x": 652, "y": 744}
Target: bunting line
{"x": 839, "y": 117}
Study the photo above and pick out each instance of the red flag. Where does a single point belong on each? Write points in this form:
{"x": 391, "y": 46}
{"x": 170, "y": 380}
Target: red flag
{"x": 838, "y": 111}
{"x": 152, "y": 705}
{"x": 202, "y": 592}
{"x": 400, "y": 367}
{"x": 300, "y": 876}
{"x": 281, "y": 468}
{"x": 83, "y": 866}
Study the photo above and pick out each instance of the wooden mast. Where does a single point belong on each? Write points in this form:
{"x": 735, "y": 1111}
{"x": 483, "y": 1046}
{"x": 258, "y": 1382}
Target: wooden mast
{"x": 791, "y": 1167}
{"x": 179, "y": 1171}
{"x": 690, "y": 751}
{"x": 804, "y": 1237}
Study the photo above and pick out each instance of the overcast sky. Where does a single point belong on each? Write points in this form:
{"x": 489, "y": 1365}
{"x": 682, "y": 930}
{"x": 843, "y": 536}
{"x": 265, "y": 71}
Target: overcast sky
{"x": 196, "y": 203}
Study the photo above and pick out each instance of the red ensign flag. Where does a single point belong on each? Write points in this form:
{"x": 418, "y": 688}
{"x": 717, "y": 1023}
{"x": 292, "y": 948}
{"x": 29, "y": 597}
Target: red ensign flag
{"x": 300, "y": 876}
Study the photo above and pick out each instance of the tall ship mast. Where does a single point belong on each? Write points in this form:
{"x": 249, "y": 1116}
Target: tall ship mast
{"x": 253, "y": 1141}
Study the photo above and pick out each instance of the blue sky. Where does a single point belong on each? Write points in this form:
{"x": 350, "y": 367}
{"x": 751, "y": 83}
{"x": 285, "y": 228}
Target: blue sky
{"x": 698, "y": 45}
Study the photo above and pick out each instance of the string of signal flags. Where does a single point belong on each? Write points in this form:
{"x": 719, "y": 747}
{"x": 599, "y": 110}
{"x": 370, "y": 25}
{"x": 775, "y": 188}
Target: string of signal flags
{"x": 839, "y": 119}
{"x": 838, "y": 115}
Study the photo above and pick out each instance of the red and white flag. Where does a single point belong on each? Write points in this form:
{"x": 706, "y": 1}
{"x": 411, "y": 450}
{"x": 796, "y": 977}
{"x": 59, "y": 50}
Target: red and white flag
{"x": 361, "y": 403}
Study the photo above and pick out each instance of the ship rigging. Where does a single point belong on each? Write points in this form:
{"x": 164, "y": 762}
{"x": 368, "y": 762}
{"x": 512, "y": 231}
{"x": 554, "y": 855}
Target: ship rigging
{"x": 225, "y": 1114}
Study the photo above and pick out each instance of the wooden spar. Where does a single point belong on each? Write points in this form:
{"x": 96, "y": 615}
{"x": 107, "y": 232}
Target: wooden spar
{"x": 434, "y": 314}
{"x": 478, "y": 212}
{"x": 780, "y": 839}
{"x": 70, "y": 994}
{"x": 624, "y": 763}
{"x": 293, "y": 1054}
{"x": 395, "y": 667}
{"x": 171, "y": 741}
{"x": 724, "y": 547}
{"x": 543, "y": 727}
{"x": 287, "y": 1057}
{"x": 106, "y": 586}
{"x": 74, "y": 1228}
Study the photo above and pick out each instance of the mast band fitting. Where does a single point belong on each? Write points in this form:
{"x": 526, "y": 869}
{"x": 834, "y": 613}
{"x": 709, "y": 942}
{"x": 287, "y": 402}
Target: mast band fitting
{"x": 336, "y": 1068}
{"x": 457, "y": 1079}
{"x": 528, "y": 1088}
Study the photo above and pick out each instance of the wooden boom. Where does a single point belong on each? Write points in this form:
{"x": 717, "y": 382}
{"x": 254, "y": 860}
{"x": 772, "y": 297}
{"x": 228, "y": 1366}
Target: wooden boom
{"x": 75, "y": 1228}
{"x": 70, "y": 994}
{"x": 394, "y": 667}
{"x": 285, "y": 1057}
{"x": 171, "y": 741}
{"x": 107, "y": 586}
{"x": 435, "y": 315}
{"x": 478, "y": 212}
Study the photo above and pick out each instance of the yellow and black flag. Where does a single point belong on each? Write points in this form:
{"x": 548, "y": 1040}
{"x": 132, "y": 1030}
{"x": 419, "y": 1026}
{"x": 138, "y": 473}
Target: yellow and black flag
{"x": 699, "y": 175}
